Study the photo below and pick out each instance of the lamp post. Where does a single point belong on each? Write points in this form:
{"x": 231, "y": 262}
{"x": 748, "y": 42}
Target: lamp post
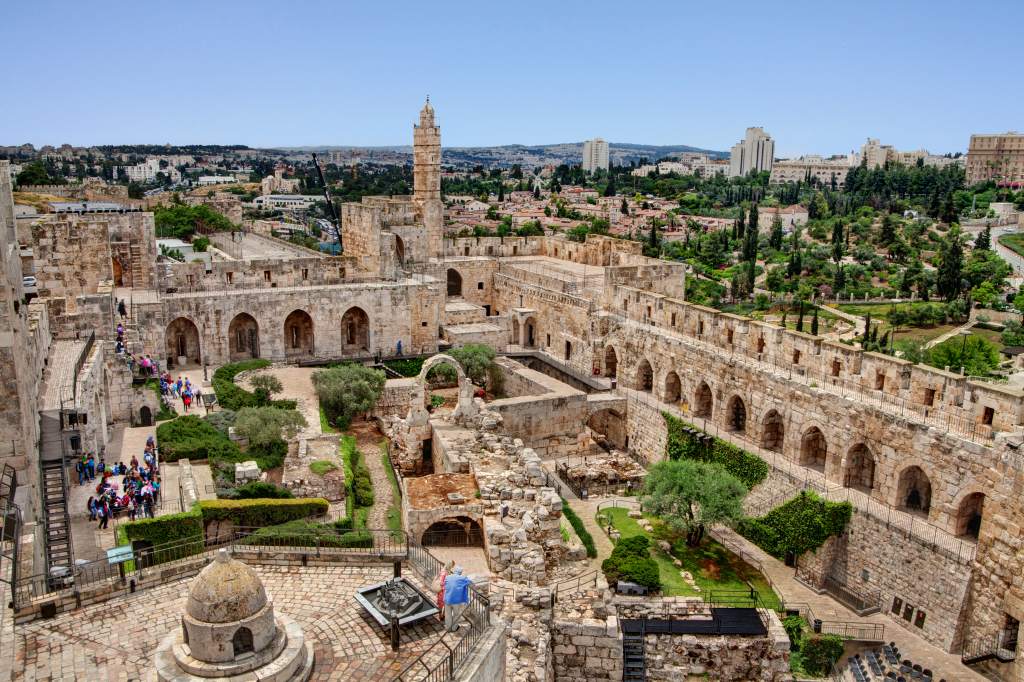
{"x": 964, "y": 333}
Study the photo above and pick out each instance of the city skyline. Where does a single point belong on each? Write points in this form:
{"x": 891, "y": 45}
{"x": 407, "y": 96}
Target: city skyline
{"x": 915, "y": 84}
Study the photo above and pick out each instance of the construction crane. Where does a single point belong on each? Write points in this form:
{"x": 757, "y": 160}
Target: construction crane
{"x": 330, "y": 205}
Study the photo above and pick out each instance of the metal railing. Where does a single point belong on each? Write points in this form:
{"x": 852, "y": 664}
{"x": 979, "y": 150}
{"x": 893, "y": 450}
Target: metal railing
{"x": 1001, "y": 645}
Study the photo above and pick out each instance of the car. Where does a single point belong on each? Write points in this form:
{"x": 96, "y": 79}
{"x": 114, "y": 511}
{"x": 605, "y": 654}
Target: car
{"x": 28, "y": 281}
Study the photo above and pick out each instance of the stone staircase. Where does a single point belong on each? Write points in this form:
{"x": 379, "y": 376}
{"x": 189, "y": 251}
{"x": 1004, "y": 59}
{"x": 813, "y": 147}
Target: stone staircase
{"x": 56, "y": 521}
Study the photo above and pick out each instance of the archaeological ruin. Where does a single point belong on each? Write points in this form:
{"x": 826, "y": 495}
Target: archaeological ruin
{"x": 599, "y": 355}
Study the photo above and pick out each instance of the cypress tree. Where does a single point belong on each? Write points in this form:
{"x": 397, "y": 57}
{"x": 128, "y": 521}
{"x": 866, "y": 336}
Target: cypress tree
{"x": 752, "y": 219}
{"x": 800, "y": 318}
{"x": 814, "y": 323}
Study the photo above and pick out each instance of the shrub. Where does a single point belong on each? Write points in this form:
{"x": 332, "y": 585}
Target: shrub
{"x": 256, "y": 513}
{"x": 347, "y": 390}
{"x": 680, "y": 444}
{"x": 301, "y": 533}
{"x": 222, "y": 420}
{"x": 407, "y": 367}
{"x": 477, "y": 360}
{"x": 231, "y": 396}
{"x": 164, "y": 529}
{"x": 577, "y": 525}
{"x": 191, "y": 437}
{"x": 260, "y": 490}
{"x": 269, "y": 456}
{"x": 800, "y": 525}
{"x": 631, "y": 561}
{"x": 820, "y": 653}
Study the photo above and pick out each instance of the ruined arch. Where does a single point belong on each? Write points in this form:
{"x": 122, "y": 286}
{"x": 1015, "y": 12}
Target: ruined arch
{"x": 182, "y": 341}
{"x": 814, "y": 449}
{"x": 454, "y": 282}
{"x": 243, "y": 337}
{"x": 672, "y": 387}
{"x": 736, "y": 414}
{"x": 355, "y": 330}
{"x": 773, "y": 431}
{"x": 455, "y": 531}
{"x": 703, "y": 401}
{"x": 645, "y": 376}
{"x": 298, "y": 334}
{"x": 611, "y": 425}
{"x": 914, "y": 491}
{"x": 859, "y": 471}
{"x": 611, "y": 362}
{"x": 969, "y": 514}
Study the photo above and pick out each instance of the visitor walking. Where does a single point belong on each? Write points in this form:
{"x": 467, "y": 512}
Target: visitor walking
{"x": 121, "y": 309}
{"x": 456, "y": 597}
{"x": 438, "y": 587}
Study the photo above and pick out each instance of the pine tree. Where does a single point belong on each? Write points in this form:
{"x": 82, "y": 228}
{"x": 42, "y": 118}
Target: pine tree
{"x": 984, "y": 240}
{"x": 814, "y": 323}
{"x": 949, "y": 210}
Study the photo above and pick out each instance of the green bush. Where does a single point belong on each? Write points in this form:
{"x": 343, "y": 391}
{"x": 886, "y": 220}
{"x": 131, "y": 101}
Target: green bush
{"x": 819, "y": 653}
{"x": 231, "y": 396}
{"x": 257, "y": 513}
{"x": 260, "y": 490}
{"x": 358, "y": 482}
{"x": 164, "y": 529}
{"x": 631, "y": 561}
{"x": 749, "y": 468}
{"x": 191, "y": 437}
{"x": 346, "y": 391}
{"x": 407, "y": 367}
{"x": 300, "y": 533}
{"x": 800, "y": 525}
{"x": 577, "y": 524}
{"x": 268, "y": 456}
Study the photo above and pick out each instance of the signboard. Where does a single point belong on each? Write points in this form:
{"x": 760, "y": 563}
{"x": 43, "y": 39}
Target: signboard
{"x": 119, "y": 555}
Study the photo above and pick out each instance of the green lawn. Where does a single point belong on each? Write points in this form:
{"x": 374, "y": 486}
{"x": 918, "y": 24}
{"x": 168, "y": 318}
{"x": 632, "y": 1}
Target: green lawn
{"x": 713, "y": 566}
{"x": 324, "y": 426}
{"x": 322, "y": 466}
{"x": 1014, "y": 242}
{"x": 989, "y": 335}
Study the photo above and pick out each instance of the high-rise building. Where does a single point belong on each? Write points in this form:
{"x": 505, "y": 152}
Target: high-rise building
{"x": 595, "y": 155}
{"x": 755, "y": 152}
{"x": 996, "y": 157}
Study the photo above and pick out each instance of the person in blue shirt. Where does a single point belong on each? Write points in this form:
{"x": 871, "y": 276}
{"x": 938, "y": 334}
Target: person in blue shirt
{"x": 456, "y": 597}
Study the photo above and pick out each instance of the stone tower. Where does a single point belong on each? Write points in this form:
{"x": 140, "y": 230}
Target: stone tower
{"x": 426, "y": 152}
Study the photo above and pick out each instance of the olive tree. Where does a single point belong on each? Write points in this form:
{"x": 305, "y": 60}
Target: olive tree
{"x": 690, "y": 495}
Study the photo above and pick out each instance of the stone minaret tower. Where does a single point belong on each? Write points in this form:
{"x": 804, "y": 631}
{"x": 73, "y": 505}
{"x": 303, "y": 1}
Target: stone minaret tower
{"x": 426, "y": 152}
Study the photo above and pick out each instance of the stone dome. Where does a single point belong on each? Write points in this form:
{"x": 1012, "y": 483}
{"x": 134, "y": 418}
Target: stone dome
{"x": 225, "y": 591}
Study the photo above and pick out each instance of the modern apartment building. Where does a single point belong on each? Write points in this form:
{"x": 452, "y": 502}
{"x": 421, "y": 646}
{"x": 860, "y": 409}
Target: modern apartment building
{"x": 996, "y": 157}
{"x": 755, "y": 152}
{"x": 595, "y": 155}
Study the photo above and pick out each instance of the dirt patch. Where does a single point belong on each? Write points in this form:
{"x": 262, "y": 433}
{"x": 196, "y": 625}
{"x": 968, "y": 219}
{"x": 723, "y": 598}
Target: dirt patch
{"x": 711, "y": 570}
{"x": 427, "y": 492}
{"x": 368, "y": 436}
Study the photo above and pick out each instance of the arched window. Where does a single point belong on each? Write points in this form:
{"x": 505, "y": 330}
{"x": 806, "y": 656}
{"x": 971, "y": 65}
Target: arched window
{"x": 242, "y": 641}
{"x": 814, "y": 449}
{"x": 914, "y": 492}
{"x": 454, "y": 282}
{"x": 673, "y": 388}
{"x": 645, "y": 377}
{"x": 969, "y": 514}
{"x": 860, "y": 468}
{"x": 737, "y": 414}
{"x": 772, "y": 431}
{"x": 703, "y": 401}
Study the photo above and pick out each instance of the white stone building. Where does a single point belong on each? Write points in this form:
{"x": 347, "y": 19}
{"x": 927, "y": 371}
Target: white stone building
{"x": 755, "y": 152}
{"x": 595, "y": 155}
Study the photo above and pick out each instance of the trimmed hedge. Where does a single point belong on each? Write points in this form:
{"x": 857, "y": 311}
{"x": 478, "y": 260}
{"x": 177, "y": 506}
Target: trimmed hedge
{"x": 262, "y": 512}
{"x": 750, "y": 469}
{"x": 800, "y": 525}
{"x": 260, "y": 490}
{"x": 302, "y": 533}
{"x": 191, "y": 437}
{"x": 577, "y": 525}
{"x": 163, "y": 529}
{"x": 631, "y": 561}
{"x": 231, "y": 396}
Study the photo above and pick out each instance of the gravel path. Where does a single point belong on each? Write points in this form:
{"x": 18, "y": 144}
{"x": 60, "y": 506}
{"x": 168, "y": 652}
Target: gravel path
{"x": 368, "y": 439}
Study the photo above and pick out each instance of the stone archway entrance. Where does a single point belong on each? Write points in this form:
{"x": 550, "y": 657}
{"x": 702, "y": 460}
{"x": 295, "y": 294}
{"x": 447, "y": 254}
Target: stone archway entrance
{"x": 243, "y": 337}
{"x": 703, "y": 401}
{"x": 298, "y": 335}
{"x": 458, "y": 531}
{"x": 737, "y": 414}
{"x": 182, "y": 342}
{"x": 914, "y": 492}
{"x": 531, "y": 332}
{"x": 611, "y": 362}
{"x": 860, "y": 468}
{"x": 969, "y": 515}
{"x": 355, "y": 330}
{"x": 814, "y": 449}
{"x": 772, "y": 431}
{"x": 454, "y": 282}
{"x": 645, "y": 377}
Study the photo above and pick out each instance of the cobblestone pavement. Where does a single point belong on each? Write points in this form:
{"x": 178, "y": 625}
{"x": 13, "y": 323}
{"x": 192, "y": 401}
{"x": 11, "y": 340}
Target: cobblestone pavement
{"x": 115, "y": 640}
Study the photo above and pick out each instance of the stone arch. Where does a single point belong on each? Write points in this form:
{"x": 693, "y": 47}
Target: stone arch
{"x": 736, "y": 414}
{"x": 969, "y": 515}
{"x": 182, "y": 339}
{"x": 703, "y": 401}
{"x": 672, "y": 388}
{"x": 610, "y": 424}
{"x": 453, "y": 531}
{"x": 914, "y": 490}
{"x": 515, "y": 331}
{"x": 530, "y": 332}
{"x": 454, "y": 282}
{"x": 773, "y": 431}
{"x": 399, "y": 250}
{"x": 859, "y": 468}
{"x": 611, "y": 362}
{"x": 243, "y": 337}
{"x": 145, "y": 416}
{"x": 298, "y": 334}
{"x": 355, "y": 330}
{"x": 814, "y": 449}
{"x": 117, "y": 270}
{"x": 241, "y": 641}
{"x": 645, "y": 376}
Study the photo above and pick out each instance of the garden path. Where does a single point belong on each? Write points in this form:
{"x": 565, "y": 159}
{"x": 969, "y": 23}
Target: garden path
{"x": 368, "y": 438}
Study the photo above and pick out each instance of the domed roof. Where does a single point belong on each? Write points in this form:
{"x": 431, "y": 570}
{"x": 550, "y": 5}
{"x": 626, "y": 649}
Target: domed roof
{"x": 225, "y": 591}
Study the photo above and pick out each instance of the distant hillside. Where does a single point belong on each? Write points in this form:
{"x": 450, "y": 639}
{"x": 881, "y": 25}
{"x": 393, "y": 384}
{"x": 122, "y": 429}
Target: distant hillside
{"x": 527, "y": 156}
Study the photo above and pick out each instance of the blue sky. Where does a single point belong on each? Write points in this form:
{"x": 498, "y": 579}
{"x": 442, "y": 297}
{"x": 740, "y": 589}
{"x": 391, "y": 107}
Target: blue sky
{"x": 819, "y": 76}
